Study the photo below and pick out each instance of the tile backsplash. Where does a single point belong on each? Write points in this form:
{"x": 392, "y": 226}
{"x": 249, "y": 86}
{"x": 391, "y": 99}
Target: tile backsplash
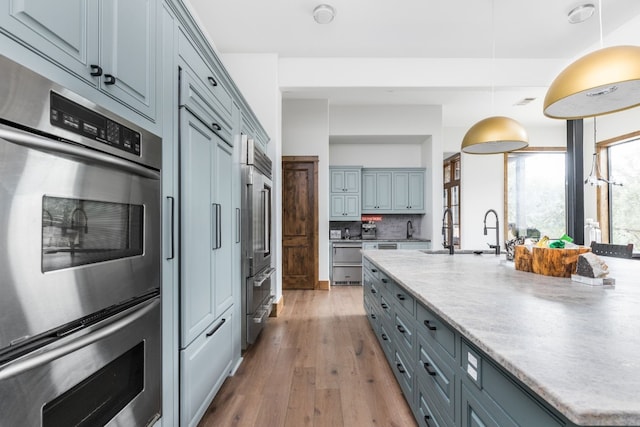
{"x": 391, "y": 226}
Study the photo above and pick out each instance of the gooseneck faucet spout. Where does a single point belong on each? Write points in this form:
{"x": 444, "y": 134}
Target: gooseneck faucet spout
{"x": 409, "y": 230}
{"x": 447, "y": 237}
{"x": 496, "y": 227}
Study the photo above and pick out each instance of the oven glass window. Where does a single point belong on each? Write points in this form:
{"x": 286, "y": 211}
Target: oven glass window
{"x": 77, "y": 232}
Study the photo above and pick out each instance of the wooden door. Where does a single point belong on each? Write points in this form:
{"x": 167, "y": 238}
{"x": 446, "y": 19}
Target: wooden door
{"x": 299, "y": 222}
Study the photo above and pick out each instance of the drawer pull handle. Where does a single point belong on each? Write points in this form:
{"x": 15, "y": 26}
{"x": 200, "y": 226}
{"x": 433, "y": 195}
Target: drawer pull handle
{"x": 426, "y": 420}
{"x": 216, "y": 126}
{"x": 373, "y": 316}
{"x": 216, "y": 328}
{"x": 384, "y": 337}
{"x": 383, "y": 305}
{"x": 401, "y": 297}
{"x": 373, "y": 270}
{"x": 373, "y": 291}
{"x": 384, "y": 281}
{"x": 96, "y": 70}
{"x": 109, "y": 79}
{"x": 400, "y": 368}
{"x": 212, "y": 81}
{"x": 401, "y": 329}
{"x": 427, "y": 367}
{"x": 429, "y": 326}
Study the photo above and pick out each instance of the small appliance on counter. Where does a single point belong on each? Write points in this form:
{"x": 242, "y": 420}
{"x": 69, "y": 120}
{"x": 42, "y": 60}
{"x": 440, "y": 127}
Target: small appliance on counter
{"x": 335, "y": 234}
{"x": 369, "y": 230}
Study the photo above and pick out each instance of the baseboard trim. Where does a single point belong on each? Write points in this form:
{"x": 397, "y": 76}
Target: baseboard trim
{"x": 277, "y": 307}
{"x": 323, "y": 285}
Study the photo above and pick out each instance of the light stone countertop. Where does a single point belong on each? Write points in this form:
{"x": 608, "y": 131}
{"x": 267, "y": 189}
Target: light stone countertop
{"x": 575, "y": 346}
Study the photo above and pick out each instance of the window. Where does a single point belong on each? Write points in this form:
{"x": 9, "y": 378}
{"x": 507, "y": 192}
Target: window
{"x": 618, "y": 205}
{"x": 535, "y": 202}
{"x": 451, "y": 194}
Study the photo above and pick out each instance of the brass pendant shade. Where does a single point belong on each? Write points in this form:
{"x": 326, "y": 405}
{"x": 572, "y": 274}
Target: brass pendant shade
{"x": 495, "y": 135}
{"x": 601, "y": 82}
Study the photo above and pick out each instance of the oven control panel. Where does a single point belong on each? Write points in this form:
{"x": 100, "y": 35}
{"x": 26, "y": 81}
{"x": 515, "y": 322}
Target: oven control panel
{"x": 75, "y": 118}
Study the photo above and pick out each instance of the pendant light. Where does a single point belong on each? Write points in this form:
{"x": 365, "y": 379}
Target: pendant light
{"x": 495, "y": 134}
{"x": 601, "y": 82}
{"x": 595, "y": 177}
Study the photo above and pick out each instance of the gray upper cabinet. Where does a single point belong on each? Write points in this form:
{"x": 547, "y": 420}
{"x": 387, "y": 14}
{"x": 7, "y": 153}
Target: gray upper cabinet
{"x": 376, "y": 191}
{"x": 344, "y": 198}
{"x": 110, "y": 44}
{"x": 345, "y": 180}
{"x": 408, "y": 191}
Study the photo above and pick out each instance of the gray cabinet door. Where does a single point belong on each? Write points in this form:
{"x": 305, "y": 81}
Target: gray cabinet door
{"x": 222, "y": 170}
{"x": 344, "y": 207}
{"x": 408, "y": 191}
{"x": 376, "y": 191}
{"x": 197, "y": 244}
{"x": 110, "y": 44}
{"x": 128, "y": 52}
{"x": 64, "y": 31}
{"x": 345, "y": 180}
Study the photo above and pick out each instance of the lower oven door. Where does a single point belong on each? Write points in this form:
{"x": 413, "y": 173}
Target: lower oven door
{"x": 259, "y": 300}
{"x": 107, "y": 374}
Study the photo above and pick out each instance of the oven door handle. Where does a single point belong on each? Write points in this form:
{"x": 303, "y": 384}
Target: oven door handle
{"x": 42, "y": 357}
{"x": 40, "y": 143}
{"x": 266, "y": 233}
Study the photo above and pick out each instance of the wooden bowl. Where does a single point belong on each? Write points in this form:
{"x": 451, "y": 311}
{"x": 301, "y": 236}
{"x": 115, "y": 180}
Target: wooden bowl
{"x": 556, "y": 262}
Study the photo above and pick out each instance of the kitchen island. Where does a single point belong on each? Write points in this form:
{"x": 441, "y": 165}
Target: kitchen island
{"x": 512, "y": 344}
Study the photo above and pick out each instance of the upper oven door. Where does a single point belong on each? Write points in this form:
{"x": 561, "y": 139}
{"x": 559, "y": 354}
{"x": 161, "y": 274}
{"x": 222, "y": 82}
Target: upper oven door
{"x": 81, "y": 232}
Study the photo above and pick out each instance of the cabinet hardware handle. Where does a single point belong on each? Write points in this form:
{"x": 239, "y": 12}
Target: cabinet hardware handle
{"x": 384, "y": 337}
{"x": 212, "y": 81}
{"x": 427, "y": 367}
{"x": 384, "y": 280}
{"x": 401, "y": 297}
{"x": 400, "y": 368}
{"x": 373, "y": 270}
{"x": 238, "y": 227}
{"x": 96, "y": 70}
{"x": 373, "y": 291}
{"x": 172, "y": 232}
{"x": 429, "y": 326}
{"x": 383, "y": 305}
{"x": 426, "y": 420}
{"x": 401, "y": 329}
{"x": 109, "y": 79}
{"x": 216, "y": 127}
{"x": 373, "y": 316}
{"x": 214, "y": 330}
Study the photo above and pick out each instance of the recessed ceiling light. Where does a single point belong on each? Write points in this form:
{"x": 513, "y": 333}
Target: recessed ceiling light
{"x": 581, "y": 13}
{"x": 323, "y": 13}
{"x": 524, "y": 101}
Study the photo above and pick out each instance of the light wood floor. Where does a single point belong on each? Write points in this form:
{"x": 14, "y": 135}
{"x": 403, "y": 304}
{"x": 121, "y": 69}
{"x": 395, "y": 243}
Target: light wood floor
{"x": 318, "y": 364}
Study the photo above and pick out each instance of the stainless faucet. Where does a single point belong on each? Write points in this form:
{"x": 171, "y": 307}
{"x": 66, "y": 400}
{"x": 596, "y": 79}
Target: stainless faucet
{"x": 448, "y": 237}
{"x": 497, "y": 228}
{"x": 409, "y": 229}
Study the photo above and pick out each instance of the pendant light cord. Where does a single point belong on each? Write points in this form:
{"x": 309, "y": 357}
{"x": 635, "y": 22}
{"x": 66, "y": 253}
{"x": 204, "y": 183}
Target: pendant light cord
{"x": 493, "y": 57}
{"x": 600, "y": 24}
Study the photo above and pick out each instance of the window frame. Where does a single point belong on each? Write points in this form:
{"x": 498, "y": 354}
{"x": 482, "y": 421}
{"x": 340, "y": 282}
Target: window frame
{"x": 452, "y": 161}
{"x": 603, "y": 204}
{"x": 505, "y": 212}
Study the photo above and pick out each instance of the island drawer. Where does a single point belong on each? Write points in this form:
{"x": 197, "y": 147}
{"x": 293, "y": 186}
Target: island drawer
{"x": 435, "y": 331}
{"x": 403, "y": 371}
{"x": 438, "y": 378}
{"x": 427, "y": 413}
{"x": 404, "y": 329}
{"x": 403, "y": 299}
{"x": 498, "y": 388}
{"x": 370, "y": 269}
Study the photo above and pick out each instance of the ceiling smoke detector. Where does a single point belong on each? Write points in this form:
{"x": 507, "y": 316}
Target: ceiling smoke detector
{"x": 581, "y": 13}
{"x": 324, "y": 14}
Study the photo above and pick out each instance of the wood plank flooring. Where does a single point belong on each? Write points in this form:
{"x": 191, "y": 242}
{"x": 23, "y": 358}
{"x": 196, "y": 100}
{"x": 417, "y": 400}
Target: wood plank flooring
{"x": 316, "y": 365}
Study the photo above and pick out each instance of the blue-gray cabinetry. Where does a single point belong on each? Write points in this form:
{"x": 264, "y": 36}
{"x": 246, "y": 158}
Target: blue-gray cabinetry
{"x": 344, "y": 198}
{"x": 109, "y": 44}
{"x": 408, "y": 191}
{"x": 393, "y": 190}
{"x": 444, "y": 378}
{"x": 376, "y": 191}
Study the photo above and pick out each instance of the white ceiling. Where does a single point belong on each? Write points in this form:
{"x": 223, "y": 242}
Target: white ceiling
{"x": 416, "y": 29}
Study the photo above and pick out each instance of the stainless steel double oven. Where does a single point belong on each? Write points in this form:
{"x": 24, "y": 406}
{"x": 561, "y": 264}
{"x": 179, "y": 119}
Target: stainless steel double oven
{"x": 257, "y": 296}
{"x": 80, "y": 327}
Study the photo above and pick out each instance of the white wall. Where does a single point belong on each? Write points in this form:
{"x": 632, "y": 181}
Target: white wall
{"x": 305, "y": 132}
{"x": 377, "y": 155}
